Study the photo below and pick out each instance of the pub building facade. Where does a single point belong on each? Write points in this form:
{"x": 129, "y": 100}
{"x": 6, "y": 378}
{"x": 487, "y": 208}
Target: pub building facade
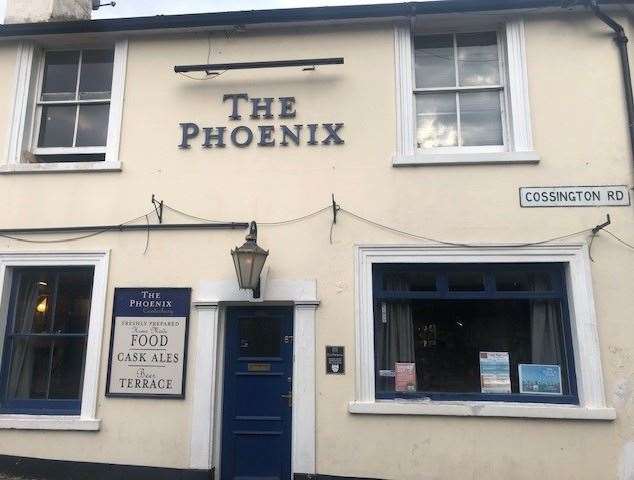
{"x": 437, "y": 272}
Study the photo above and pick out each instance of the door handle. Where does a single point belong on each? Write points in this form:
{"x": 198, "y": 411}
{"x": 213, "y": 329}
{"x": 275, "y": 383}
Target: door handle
{"x": 289, "y": 397}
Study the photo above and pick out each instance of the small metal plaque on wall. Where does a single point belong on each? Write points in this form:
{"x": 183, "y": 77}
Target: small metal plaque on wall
{"x": 335, "y": 360}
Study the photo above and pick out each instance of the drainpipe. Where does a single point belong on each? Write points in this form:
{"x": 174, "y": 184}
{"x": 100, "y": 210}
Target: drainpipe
{"x": 621, "y": 41}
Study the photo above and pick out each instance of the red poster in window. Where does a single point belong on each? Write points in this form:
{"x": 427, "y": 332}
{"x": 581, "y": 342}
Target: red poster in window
{"x": 405, "y": 377}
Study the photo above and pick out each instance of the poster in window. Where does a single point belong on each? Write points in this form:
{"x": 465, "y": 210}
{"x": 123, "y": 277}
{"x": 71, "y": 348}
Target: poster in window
{"x": 495, "y": 372}
{"x": 148, "y": 343}
{"x": 540, "y": 379}
{"x": 405, "y": 377}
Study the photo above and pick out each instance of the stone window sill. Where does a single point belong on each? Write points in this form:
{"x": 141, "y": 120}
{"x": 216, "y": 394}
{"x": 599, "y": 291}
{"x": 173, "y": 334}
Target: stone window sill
{"x": 480, "y": 158}
{"x": 483, "y": 409}
{"x": 48, "y": 422}
{"x": 61, "y": 167}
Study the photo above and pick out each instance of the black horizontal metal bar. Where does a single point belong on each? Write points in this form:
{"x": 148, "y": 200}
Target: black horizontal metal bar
{"x": 264, "y": 64}
{"x": 129, "y": 228}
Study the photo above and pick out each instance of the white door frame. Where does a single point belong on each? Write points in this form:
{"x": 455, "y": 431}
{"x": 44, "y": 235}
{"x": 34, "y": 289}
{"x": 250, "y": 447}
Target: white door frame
{"x": 206, "y": 360}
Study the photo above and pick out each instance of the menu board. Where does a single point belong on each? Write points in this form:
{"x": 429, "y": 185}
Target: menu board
{"x": 148, "y": 343}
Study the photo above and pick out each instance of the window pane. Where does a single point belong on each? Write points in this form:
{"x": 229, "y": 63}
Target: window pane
{"x": 523, "y": 281}
{"x": 259, "y": 337}
{"x": 434, "y": 61}
{"x": 60, "y": 76}
{"x": 410, "y": 281}
{"x": 96, "y": 74}
{"x": 442, "y": 341}
{"x": 436, "y": 120}
{"x": 92, "y": 129}
{"x": 481, "y": 119}
{"x": 72, "y": 307}
{"x": 466, "y": 282}
{"x": 30, "y": 361}
{"x": 34, "y": 301}
{"x": 67, "y": 369}
{"x": 478, "y": 62}
{"x": 58, "y": 126}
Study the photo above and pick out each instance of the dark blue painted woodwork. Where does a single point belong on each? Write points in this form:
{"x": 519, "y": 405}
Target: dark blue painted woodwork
{"x": 439, "y": 290}
{"x": 256, "y": 424}
{"x": 34, "y": 406}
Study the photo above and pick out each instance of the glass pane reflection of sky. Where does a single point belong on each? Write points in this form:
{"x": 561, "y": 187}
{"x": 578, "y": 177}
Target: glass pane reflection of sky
{"x": 476, "y": 57}
{"x": 437, "y": 120}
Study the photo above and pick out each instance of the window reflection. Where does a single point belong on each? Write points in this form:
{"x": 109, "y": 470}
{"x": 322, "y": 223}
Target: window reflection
{"x": 459, "y": 91}
{"x": 481, "y": 118}
{"x": 434, "y": 61}
{"x": 478, "y": 62}
{"x": 437, "y": 120}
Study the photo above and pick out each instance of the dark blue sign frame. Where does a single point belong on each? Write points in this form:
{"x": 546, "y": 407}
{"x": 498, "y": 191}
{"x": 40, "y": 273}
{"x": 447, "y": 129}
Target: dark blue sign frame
{"x": 130, "y": 302}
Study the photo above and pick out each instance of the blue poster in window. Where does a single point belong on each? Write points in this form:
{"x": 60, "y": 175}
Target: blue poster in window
{"x": 540, "y": 379}
{"x": 495, "y": 372}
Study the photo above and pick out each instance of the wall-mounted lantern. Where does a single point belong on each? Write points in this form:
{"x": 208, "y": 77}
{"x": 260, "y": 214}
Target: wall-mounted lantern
{"x": 249, "y": 260}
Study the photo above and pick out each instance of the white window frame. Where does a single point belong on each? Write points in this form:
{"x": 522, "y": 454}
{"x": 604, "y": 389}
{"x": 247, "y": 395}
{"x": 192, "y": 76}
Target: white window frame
{"x": 516, "y": 121}
{"x": 575, "y": 257}
{"x": 501, "y": 88}
{"x": 24, "y": 124}
{"x": 40, "y": 104}
{"x": 87, "y": 419}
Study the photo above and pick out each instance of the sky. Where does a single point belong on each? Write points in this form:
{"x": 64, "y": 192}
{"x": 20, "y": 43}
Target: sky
{"x": 137, "y": 8}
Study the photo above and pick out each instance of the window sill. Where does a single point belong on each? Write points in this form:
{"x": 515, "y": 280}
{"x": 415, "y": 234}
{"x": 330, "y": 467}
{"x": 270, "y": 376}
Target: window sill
{"x": 61, "y": 167}
{"x": 482, "y": 409}
{"x": 48, "y": 422}
{"x": 425, "y": 159}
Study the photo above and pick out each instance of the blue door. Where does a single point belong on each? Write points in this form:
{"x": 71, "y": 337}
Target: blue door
{"x": 257, "y": 399}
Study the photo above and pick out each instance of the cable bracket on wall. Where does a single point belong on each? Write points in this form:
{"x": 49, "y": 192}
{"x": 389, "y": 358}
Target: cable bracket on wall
{"x": 158, "y": 208}
{"x": 601, "y": 226}
{"x": 335, "y": 209}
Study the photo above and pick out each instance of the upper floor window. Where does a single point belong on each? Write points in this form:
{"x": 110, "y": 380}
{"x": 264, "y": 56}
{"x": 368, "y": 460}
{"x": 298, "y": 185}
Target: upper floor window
{"x": 74, "y": 102}
{"x": 68, "y": 107}
{"x": 459, "y": 91}
{"x": 462, "y": 96}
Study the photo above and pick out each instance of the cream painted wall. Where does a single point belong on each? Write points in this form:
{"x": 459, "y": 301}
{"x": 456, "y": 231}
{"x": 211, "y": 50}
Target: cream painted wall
{"x": 579, "y": 130}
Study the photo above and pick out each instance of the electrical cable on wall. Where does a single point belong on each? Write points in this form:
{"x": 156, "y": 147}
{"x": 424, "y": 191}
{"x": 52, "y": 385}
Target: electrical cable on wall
{"x": 361, "y": 218}
{"x": 79, "y": 237}
{"x": 208, "y": 75}
{"x": 334, "y": 208}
